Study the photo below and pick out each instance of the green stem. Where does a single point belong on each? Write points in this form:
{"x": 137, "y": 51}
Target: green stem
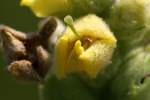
{"x": 40, "y": 90}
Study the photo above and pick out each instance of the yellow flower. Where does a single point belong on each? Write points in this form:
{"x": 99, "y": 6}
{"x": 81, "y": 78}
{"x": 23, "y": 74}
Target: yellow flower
{"x": 88, "y": 54}
{"x": 46, "y": 7}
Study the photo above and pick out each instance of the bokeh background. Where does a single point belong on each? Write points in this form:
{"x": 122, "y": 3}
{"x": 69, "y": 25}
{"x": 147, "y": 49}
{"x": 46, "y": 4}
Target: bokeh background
{"x": 20, "y": 18}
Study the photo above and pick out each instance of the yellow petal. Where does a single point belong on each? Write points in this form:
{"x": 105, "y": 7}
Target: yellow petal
{"x": 27, "y": 2}
{"x": 61, "y": 57}
{"x": 96, "y": 58}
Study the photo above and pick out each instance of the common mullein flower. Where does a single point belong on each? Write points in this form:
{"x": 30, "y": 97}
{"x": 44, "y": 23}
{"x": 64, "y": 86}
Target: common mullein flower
{"x": 64, "y": 7}
{"x": 88, "y": 53}
{"x": 83, "y": 61}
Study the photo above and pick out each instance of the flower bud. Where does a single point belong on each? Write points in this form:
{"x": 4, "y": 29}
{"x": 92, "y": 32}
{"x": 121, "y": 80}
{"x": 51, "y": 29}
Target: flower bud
{"x": 130, "y": 20}
{"x": 133, "y": 82}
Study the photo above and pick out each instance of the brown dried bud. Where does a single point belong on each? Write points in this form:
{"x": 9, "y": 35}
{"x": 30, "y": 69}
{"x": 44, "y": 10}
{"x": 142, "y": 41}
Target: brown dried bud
{"x": 23, "y": 70}
{"x": 47, "y": 28}
{"x": 57, "y": 33}
{"x": 13, "y": 47}
{"x": 17, "y": 34}
{"x": 51, "y": 29}
{"x": 28, "y": 54}
{"x": 44, "y": 61}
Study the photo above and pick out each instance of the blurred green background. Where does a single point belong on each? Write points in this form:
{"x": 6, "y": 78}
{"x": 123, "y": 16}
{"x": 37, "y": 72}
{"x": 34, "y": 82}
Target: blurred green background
{"x": 12, "y": 14}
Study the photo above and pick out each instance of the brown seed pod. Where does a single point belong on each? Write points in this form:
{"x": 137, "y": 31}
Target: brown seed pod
{"x": 23, "y": 70}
